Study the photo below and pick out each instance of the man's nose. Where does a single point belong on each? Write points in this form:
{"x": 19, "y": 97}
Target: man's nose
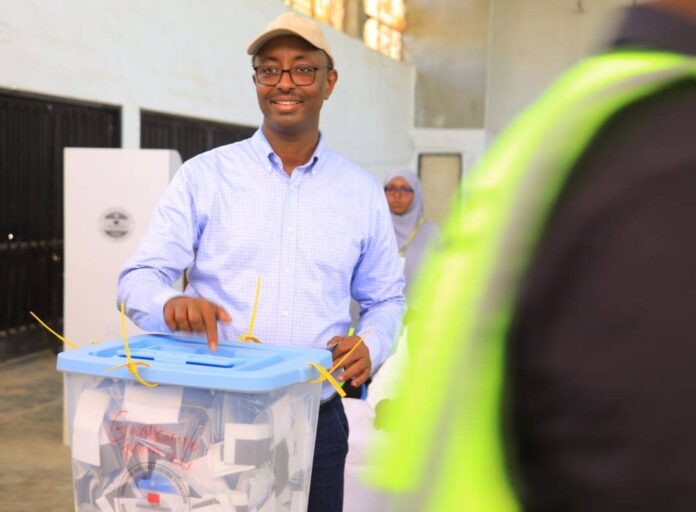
{"x": 285, "y": 80}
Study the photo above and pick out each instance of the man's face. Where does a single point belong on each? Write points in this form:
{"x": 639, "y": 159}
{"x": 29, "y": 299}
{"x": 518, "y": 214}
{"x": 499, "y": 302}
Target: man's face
{"x": 288, "y": 108}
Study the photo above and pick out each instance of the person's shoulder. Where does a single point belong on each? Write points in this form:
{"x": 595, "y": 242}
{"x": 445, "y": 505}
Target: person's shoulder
{"x": 218, "y": 159}
{"x": 430, "y": 230}
{"x": 209, "y": 159}
{"x": 349, "y": 171}
{"x": 430, "y": 225}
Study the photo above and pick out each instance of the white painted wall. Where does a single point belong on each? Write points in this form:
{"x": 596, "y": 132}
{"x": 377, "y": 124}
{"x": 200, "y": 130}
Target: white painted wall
{"x": 532, "y": 42}
{"x": 189, "y": 57}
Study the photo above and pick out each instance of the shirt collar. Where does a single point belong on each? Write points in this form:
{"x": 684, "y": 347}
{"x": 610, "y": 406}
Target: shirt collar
{"x": 261, "y": 145}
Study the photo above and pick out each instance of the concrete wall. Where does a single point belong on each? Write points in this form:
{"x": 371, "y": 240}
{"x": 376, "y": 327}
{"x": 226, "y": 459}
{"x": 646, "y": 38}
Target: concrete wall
{"x": 446, "y": 40}
{"x": 532, "y": 42}
{"x": 189, "y": 57}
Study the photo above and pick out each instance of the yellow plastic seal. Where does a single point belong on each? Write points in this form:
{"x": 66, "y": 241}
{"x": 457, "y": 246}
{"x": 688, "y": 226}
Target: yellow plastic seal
{"x": 326, "y": 375}
{"x": 249, "y": 336}
{"x": 130, "y": 364}
{"x": 61, "y": 338}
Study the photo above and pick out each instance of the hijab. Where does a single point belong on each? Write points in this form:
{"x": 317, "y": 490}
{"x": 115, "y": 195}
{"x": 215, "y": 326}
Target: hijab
{"x": 405, "y": 224}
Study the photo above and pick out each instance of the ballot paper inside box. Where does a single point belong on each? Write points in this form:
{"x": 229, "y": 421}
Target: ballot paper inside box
{"x": 231, "y": 431}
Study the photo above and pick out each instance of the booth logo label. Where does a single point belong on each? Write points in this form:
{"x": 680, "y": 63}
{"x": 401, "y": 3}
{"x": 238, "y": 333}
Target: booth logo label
{"x": 116, "y": 223}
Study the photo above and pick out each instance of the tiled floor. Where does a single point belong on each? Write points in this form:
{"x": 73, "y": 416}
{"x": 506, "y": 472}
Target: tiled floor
{"x": 35, "y": 473}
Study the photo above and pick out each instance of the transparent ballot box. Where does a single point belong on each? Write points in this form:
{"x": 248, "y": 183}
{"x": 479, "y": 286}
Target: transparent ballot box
{"x": 230, "y": 430}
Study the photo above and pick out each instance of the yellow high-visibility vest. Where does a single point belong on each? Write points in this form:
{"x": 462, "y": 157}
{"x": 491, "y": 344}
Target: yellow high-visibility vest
{"x": 446, "y": 452}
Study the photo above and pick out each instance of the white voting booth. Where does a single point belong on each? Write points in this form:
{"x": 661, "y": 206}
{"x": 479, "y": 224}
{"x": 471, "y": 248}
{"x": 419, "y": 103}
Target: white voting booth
{"x": 109, "y": 196}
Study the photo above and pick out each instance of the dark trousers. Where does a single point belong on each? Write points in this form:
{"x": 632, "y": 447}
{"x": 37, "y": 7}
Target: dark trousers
{"x": 330, "y": 450}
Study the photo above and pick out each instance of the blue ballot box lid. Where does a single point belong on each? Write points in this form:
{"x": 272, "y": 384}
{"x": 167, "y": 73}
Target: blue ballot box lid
{"x": 188, "y": 362}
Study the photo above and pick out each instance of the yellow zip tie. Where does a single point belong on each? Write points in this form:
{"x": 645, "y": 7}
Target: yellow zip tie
{"x": 130, "y": 364}
{"x": 249, "y": 336}
{"x": 326, "y": 374}
{"x": 61, "y": 338}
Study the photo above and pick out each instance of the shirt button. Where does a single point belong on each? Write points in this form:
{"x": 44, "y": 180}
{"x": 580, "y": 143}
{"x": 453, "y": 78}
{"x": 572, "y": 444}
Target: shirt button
{"x": 287, "y": 270}
{"x": 290, "y": 229}
{"x": 286, "y": 312}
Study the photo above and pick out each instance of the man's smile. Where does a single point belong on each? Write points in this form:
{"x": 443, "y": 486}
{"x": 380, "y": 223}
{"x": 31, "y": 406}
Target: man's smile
{"x": 286, "y": 101}
{"x": 286, "y": 105}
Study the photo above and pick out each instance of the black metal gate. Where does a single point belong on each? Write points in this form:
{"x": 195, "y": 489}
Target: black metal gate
{"x": 189, "y": 136}
{"x": 33, "y": 132}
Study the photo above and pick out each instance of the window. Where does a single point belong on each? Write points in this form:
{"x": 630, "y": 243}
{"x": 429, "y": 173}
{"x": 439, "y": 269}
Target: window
{"x": 381, "y": 23}
{"x": 189, "y": 136}
{"x": 384, "y": 26}
{"x": 331, "y": 12}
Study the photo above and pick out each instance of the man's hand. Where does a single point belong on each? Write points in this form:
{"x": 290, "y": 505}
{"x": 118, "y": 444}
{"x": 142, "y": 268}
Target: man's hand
{"x": 358, "y": 365}
{"x": 190, "y": 314}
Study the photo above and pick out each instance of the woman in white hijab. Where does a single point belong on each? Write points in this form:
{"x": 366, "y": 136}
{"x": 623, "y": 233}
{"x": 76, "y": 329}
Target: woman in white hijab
{"x": 413, "y": 232}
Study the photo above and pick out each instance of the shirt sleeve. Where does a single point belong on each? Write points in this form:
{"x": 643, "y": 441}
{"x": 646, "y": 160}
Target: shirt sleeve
{"x": 378, "y": 284}
{"x": 146, "y": 282}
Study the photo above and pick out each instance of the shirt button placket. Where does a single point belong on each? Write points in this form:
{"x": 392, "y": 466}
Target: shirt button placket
{"x": 288, "y": 256}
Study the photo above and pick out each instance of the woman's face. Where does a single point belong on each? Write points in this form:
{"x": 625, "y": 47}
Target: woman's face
{"x": 399, "y": 195}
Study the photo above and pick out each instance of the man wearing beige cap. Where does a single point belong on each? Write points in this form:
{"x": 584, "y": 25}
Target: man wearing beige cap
{"x": 283, "y": 206}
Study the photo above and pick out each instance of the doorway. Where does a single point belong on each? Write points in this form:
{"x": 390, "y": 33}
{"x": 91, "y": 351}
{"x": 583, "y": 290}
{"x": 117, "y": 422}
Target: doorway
{"x": 440, "y": 175}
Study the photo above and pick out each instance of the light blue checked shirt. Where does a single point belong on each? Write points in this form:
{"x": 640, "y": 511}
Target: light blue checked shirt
{"x": 316, "y": 238}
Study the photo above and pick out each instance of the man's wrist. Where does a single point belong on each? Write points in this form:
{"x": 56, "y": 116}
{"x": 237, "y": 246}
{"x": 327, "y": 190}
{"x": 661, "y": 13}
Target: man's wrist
{"x": 158, "y": 302}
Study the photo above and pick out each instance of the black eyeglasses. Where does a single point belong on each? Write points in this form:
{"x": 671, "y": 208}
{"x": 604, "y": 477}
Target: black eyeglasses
{"x": 300, "y": 75}
{"x": 392, "y": 191}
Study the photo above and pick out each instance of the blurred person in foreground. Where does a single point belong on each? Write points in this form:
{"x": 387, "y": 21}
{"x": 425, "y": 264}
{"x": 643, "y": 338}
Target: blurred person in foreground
{"x": 271, "y": 206}
{"x": 556, "y": 354}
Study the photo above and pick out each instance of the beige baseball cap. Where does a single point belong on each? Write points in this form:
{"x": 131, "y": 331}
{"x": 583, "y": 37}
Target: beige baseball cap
{"x": 293, "y": 24}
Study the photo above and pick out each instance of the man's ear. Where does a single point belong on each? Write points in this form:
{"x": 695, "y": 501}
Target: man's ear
{"x": 331, "y": 79}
